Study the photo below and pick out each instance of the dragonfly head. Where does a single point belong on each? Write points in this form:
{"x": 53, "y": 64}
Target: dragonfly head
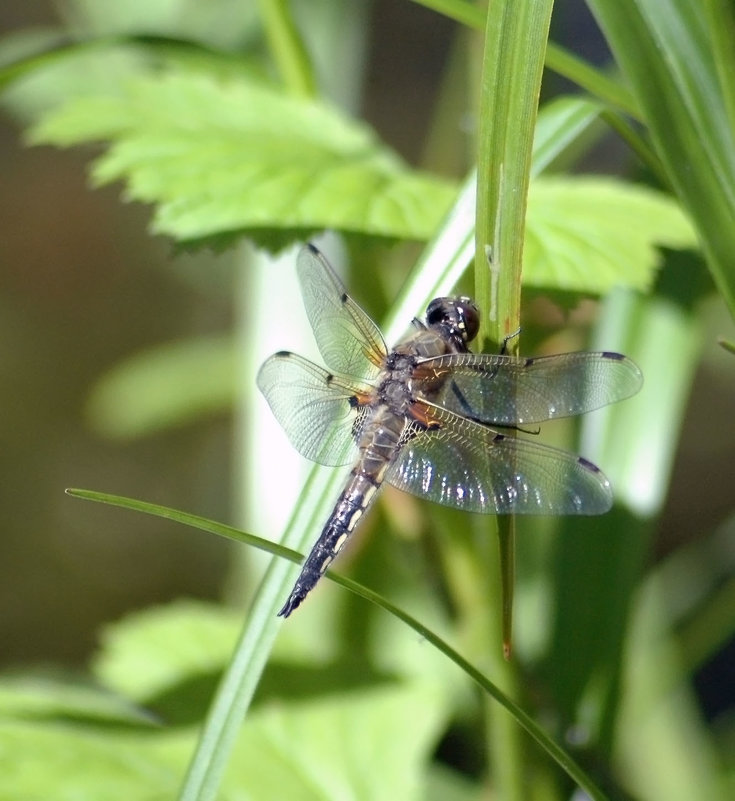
{"x": 455, "y": 318}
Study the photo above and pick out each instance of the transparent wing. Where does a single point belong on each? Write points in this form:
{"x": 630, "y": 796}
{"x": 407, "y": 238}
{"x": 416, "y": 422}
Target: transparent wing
{"x": 468, "y": 466}
{"x": 503, "y": 390}
{"x": 316, "y": 409}
{"x": 349, "y": 341}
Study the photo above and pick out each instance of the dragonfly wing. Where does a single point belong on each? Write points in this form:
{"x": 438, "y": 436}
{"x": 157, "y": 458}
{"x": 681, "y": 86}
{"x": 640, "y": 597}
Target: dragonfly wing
{"x": 460, "y": 463}
{"x": 349, "y": 341}
{"x": 318, "y": 410}
{"x": 504, "y": 390}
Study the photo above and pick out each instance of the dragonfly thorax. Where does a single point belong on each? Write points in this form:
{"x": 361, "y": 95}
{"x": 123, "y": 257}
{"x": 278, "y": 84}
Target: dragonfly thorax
{"x": 396, "y": 396}
{"x": 395, "y": 389}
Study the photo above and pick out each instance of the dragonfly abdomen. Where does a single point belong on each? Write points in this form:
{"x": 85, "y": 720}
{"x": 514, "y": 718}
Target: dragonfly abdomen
{"x": 357, "y": 495}
{"x": 378, "y": 443}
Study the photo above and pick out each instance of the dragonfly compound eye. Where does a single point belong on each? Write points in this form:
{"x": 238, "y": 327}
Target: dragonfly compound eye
{"x": 470, "y": 316}
{"x": 457, "y": 316}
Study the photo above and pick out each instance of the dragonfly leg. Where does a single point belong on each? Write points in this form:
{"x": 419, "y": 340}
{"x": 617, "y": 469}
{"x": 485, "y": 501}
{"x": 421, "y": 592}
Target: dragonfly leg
{"x": 506, "y": 340}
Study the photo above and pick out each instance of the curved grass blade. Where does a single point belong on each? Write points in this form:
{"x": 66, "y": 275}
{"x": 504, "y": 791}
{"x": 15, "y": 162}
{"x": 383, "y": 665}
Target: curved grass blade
{"x": 556, "y": 752}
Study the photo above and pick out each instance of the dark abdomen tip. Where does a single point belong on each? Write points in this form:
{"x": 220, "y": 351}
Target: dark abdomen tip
{"x": 293, "y": 602}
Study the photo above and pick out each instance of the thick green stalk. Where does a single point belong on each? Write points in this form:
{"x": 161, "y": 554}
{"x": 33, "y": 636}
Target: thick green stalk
{"x": 516, "y": 34}
{"x": 287, "y": 48}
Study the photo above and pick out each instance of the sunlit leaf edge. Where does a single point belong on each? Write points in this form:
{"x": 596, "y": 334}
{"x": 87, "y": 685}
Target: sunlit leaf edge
{"x": 223, "y": 155}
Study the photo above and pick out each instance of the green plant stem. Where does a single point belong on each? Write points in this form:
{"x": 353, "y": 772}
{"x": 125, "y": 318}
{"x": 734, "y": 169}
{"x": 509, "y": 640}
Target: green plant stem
{"x": 287, "y": 48}
{"x": 664, "y": 50}
{"x": 597, "y": 83}
{"x": 515, "y": 42}
{"x": 637, "y": 143}
{"x": 721, "y": 27}
{"x": 516, "y": 34}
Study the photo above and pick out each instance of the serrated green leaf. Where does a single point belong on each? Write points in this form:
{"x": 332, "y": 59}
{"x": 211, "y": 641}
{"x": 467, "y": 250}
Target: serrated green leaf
{"x": 591, "y": 234}
{"x": 237, "y": 156}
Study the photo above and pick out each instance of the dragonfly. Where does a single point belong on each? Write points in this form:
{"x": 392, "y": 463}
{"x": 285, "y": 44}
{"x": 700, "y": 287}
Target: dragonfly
{"x": 430, "y": 417}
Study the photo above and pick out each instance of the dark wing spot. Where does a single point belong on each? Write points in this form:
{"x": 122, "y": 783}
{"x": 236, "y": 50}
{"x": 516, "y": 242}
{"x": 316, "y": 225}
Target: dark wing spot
{"x": 616, "y": 357}
{"x": 284, "y": 353}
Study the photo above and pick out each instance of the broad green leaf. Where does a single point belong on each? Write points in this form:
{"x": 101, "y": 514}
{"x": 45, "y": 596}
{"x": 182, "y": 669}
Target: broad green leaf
{"x": 325, "y": 748}
{"x": 71, "y": 762}
{"x": 168, "y": 385}
{"x": 223, "y": 24}
{"x": 366, "y": 745}
{"x": 225, "y": 158}
{"x": 147, "y": 652}
{"x": 591, "y": 234}
{"x": 46, "y": 696}
{"x": 44, "y": 68}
